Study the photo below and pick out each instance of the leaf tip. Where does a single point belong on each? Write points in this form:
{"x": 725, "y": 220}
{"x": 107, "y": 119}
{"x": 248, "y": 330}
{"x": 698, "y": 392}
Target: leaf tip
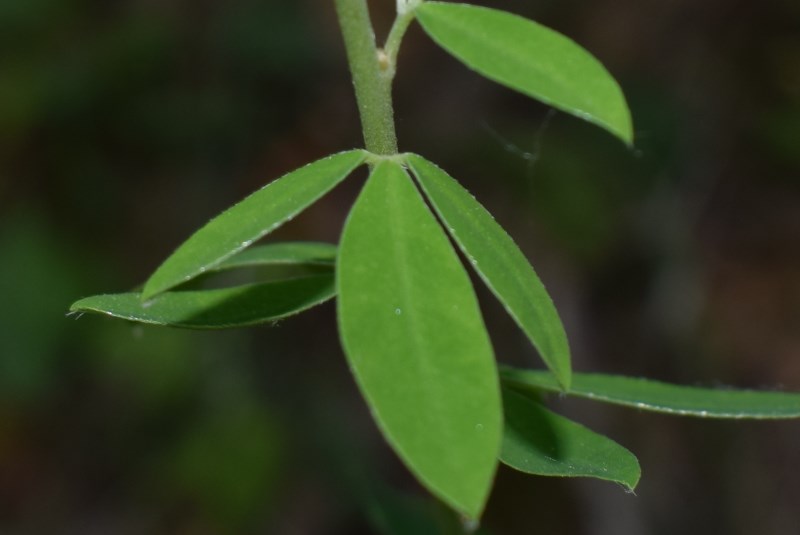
{"x": 471, "y": 513}
{"x": 563, "y": 375}
{"x": 627, "y": 134}
{"x": 564, "y": 381}
{"x": 631, "y": 483}
{"x": 627, "y": 137}
{"x": 621, "y": 125}
{"x": 152, "y": 288}
{"x": 147, "y": 294}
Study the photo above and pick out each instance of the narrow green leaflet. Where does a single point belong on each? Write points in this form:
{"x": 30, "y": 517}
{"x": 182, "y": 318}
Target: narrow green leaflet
{"x": 499, "y": 262}
{"x": 286, "y": 253}
{"x": 662, "y": 397}
{"x": 416, "y": 343}
{"x": 238, "y": 306}
{"x": 538, "y": 441}
{"x": 260, "y": 213}
{"x": 529, "y": 58}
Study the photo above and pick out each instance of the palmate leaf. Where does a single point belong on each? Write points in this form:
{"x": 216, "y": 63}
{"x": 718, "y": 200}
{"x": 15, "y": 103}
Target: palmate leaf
{"x": 529, "y": 58}
{"x": 416, "y": 343}
{"x": 499, "y": 262}
{"x": 538, "y": 441}
{"x": 221, "y": 308}
{"x": 662, "y": 397}
{"x": 255, "y": 216}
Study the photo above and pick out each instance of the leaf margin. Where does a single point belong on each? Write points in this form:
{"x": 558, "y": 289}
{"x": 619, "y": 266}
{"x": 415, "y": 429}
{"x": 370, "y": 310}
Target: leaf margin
{"x": 556, "y": 353}
{"x": 109, "y": 304}
{"x": 167, "y": 275}
{"x": 471, "y": 511}
{"x": 514, "y": 405}
{"x": 539, "y": 381}
{"x": 621, "y": 128}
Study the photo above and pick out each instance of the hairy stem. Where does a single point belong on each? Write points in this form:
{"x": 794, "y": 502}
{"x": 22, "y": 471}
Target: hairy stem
{"x": 405, "y": 16}
{"x": 372, "y": 74}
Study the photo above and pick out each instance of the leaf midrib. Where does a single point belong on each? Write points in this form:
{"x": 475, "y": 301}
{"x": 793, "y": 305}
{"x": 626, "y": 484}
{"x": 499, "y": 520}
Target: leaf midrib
{"x": 407, "y": 290}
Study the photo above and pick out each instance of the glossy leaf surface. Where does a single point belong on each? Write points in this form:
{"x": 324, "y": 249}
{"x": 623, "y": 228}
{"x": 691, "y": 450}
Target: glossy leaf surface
{"x": 255, "y": 216}
{"x": 286, "y": 253}
{"x": 538, "y": 441}
{"x": 216, "y": 309}
{"x": 530, "y": 58}
{"x": 499, "y": 262}
{"x": 416, "y": 342}
{"x": 667, "y": 398}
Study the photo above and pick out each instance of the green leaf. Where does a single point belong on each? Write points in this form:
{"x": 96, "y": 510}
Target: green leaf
{"x": 537, "y": 441}
{"x": 529, "y": 58}
{"x": 416, "y": 342}
{"x": 216, "y": 309}
{"x": 255, "y": 216}
{"x": 499, "y": 262}
{"x": 662, "y": 397}
{"x": 287, "y": 253}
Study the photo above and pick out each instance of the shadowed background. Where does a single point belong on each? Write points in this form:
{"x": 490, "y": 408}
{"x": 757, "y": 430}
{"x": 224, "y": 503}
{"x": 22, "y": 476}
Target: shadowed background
{"x": 125, "y": 125}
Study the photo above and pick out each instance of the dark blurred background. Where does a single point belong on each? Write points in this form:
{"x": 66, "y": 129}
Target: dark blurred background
{"x": 126, "y": 124}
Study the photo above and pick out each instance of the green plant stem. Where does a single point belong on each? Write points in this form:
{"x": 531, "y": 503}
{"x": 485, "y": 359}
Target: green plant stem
{"x": 372, "y": 77}
{"x": 396, "y": 34}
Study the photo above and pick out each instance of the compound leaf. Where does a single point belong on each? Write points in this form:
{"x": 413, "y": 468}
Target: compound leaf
{"x": 238, "y": 306}
{"x": 666, "y": 398}
{"x": 255, "y": 216}
{"x": 538, "y": 441}
{"x": 416, "y": 343}
{"x": 530, "y": 58}
{"x": 499, "y": 262}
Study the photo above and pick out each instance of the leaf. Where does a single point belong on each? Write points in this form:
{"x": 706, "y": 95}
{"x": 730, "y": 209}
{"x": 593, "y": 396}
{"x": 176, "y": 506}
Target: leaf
{"x": 292, "y": 253}
{"x": 499, "y": 262}
{"x": 255, "y": 216}
{"x": 238, "y": 306}
{"x": 416, "y": 343}
{"x": 662, "y": 397}
{"x": 530, "y": 58}
{"x": 537, "y": 441}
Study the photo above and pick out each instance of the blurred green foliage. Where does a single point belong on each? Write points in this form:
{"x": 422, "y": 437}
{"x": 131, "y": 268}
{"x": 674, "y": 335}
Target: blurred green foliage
{"x": 37, "y": 276}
